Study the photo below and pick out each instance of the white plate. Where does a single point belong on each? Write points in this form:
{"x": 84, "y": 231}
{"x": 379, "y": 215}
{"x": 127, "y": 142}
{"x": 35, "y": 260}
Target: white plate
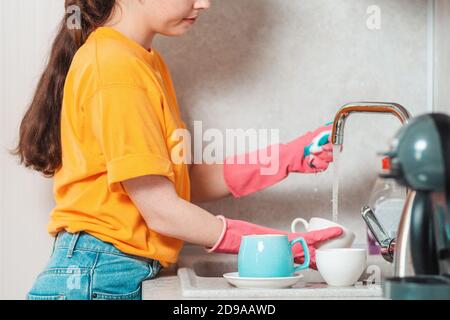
{"x": 261, "y": 283}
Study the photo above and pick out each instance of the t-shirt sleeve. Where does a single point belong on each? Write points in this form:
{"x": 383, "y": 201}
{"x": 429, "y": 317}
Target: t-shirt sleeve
{"x": 129, "y": 128}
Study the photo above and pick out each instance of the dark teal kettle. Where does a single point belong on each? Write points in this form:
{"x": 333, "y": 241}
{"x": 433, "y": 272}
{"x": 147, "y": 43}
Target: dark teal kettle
{"x": 420, "y": 160}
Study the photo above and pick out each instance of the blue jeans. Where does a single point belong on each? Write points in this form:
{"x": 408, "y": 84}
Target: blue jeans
{"x": 83, "y": 267}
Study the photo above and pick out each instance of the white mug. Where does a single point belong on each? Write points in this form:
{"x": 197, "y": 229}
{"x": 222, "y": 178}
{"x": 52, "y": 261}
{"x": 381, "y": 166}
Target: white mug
{"x": 343, "y": 241}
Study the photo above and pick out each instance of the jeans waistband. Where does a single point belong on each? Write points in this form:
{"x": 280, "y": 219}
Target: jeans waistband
{"x": 85, "y": 241}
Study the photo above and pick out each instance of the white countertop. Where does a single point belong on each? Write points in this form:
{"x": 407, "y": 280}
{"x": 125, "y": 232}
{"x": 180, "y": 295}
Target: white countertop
{"x": 167, "y": 286}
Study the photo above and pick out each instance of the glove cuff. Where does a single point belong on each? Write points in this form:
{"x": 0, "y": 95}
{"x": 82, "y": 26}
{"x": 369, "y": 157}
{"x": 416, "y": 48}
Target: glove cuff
{"x": 222, "y": 235}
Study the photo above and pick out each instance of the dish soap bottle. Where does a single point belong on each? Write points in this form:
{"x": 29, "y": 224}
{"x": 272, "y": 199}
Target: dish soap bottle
{"x": 387, "y": 200}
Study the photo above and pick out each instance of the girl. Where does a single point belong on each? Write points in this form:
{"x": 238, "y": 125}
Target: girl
{"x": 101, "y": 123}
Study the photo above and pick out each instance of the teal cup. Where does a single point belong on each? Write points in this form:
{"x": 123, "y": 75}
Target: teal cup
{"x": 269, "y": 256}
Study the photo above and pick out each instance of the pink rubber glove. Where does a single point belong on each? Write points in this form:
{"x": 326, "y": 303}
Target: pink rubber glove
{"x": 244, "y": 177}
{"x": 230, "y": 239}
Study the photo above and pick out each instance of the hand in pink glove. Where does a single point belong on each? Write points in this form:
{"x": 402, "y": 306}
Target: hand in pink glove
{"x": 319, "y": 152}
{"x": 310, "y": 153}
{"x": 233, "y": 230}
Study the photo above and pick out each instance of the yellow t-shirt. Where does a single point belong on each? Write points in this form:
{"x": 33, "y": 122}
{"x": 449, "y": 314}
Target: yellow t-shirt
{"x": 118, "y": 115}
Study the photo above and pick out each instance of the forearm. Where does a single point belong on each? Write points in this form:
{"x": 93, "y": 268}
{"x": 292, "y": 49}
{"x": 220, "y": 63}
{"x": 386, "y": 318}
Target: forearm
{"x": 207, "y": 182}
{"x": 166, "y": 213}
{"x": 183, "y": 220}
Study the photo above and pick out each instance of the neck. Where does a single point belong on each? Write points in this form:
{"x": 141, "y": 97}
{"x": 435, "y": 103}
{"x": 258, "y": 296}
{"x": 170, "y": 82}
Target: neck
{"x": 132, "y": 31}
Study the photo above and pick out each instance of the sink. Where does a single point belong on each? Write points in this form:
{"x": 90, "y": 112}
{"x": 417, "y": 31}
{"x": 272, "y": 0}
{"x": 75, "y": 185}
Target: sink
{"x": 201, "y": 276}
{"x": 213, "y": 269}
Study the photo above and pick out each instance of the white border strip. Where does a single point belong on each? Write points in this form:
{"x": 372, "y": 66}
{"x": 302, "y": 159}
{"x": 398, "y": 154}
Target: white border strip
{"x": 431, "y": 7}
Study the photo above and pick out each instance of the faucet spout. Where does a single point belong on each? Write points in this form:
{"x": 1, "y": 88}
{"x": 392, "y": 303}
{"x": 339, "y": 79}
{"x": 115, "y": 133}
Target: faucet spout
{"x": 395, "y": 109}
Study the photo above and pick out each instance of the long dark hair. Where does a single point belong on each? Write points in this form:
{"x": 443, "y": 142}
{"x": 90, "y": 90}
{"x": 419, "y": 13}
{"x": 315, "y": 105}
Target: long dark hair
{"x": 39, "y": 146}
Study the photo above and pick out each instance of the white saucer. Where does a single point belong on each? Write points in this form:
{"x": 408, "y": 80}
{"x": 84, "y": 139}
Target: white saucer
{"x": 261, "y": 283}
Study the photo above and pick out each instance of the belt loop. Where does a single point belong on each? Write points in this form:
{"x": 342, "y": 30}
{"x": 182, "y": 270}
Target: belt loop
{"x": 54, "y": 242}
{"x": 72, "y": 244}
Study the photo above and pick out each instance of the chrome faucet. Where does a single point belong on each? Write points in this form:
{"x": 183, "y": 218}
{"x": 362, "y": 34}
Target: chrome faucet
{"x": 365, "y": 107}
{"x": 392, "y": 250}
{"x": 386, "y": 243}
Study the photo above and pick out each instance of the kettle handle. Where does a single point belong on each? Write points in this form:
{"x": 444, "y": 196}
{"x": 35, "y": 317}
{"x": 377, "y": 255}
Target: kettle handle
{"x": 423, "y": 245}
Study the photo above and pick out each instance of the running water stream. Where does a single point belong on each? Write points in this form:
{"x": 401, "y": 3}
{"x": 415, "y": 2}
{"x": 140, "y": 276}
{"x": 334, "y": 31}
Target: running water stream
{"x": 335, "y": 199}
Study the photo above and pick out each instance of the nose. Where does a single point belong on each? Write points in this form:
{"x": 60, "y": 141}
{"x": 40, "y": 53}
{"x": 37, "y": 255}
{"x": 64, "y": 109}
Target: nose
{"x": 202, "y": 4}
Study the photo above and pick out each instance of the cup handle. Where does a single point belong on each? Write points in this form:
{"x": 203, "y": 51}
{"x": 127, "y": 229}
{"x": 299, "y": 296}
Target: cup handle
{"x": 306, "y": 263}
{"x": 294, "y": 224}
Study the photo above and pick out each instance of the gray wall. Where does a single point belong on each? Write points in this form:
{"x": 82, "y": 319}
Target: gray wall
{"x": 278, "y": 64}
{"x": 442, "y": 67}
